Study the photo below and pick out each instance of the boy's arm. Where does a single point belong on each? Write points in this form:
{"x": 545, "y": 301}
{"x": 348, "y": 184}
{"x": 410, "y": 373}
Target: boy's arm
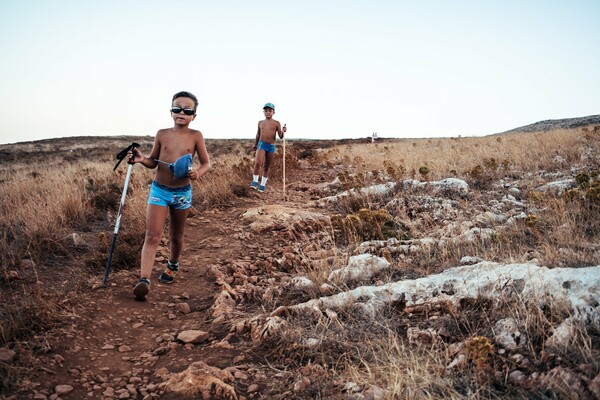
{"x": 257, "y": 137}
{"x": 148, "y": 162}
{"x": 203, "y": 157}
{"x": 280, "y": 131}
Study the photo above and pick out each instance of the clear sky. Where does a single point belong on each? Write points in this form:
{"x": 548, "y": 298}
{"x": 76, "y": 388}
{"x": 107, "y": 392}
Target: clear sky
{"x": 334, "y": 69}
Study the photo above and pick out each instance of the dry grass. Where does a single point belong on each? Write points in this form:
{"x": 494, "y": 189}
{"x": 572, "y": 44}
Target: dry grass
{"x": 404, "y": 371}
{"x": 457, "y": 156}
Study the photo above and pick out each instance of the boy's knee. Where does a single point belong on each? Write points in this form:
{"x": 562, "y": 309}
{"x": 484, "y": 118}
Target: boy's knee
{"x": 153, "y": 238}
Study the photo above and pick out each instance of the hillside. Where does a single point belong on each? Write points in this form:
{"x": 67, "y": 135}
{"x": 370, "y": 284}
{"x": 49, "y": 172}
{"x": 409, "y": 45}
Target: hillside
{"x": 591, "y": 121}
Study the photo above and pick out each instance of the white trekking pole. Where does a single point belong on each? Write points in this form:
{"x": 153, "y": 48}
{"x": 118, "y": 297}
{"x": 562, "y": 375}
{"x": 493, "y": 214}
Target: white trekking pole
{"x": 284, "y": 198}
{"x": 122, "y": 154}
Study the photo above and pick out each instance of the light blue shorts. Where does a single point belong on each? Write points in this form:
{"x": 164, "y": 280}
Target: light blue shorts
{"x": 179, "y": 198}
{"x": 268, "y": 147}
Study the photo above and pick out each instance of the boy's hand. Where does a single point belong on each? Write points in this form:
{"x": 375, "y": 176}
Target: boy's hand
{"x": 192, "y": 174}
{"x": 135, "y": 156}
{"x": 284, "y": 129}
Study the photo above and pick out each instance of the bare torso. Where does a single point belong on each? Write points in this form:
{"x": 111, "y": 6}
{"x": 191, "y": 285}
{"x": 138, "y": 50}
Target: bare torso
{"x": 268, "y": 130}
{"x": 169, "y": 146}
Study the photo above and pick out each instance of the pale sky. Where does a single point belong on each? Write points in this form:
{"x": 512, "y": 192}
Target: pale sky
{"x": 333, "y": 69}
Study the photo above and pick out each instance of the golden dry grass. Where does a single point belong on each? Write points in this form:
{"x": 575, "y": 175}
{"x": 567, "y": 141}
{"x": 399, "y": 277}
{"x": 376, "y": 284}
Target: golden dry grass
{"x": 529, "y": 152}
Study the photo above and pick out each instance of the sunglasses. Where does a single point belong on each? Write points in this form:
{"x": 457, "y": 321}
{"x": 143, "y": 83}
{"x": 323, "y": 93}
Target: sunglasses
{"x": 186, "y": 111}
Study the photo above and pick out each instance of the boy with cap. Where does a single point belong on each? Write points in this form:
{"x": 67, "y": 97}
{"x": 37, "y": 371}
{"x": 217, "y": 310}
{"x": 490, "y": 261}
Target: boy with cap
{"x": 265, "y": 146}
{"x": 171, "y": 191}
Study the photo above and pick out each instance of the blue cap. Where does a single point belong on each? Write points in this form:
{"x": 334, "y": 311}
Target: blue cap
{"x": 269, "y": 105}
{"x": 180, "y": 167}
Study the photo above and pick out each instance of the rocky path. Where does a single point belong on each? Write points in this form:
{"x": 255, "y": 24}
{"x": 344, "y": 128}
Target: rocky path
{"x": 116, "y": 347}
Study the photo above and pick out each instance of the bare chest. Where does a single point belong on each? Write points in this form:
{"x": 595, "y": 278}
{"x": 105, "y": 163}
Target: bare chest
{"x": 174, "y": 146}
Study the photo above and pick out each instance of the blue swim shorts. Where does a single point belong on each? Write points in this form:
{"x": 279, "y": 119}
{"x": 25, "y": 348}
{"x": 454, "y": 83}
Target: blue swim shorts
{"x": 268, "y": 147}
{"x": 179, "y": 198}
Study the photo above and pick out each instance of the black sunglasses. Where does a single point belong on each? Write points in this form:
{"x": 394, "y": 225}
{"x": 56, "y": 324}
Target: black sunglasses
{"x": 186, "y": 111}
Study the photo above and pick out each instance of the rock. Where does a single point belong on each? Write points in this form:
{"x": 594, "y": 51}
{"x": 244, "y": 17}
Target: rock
{"x": 62, "y": 390}
{"x": 351, "y": 387}
{"x": 299, "y": 386}
{"x": 124, "y": 349}
{"x": 302, "y": 282}
{"x": 448, "y": 185}
{"x": 75, "y": 239}
{"x": 7, "y": 355}
{"x": 517, "y": 377}
{"x": 507, "y": 334}
{"x": 558, "y": 187}
{"x": 27, "y": 263}
{"x": 193, "y": 336}
{"x": 564, "y": 382}
{"x": 183, "y": 308}
{"x": 11, "y": 275}
{"x": 202, "y": 381}
{"x": 574, "y": 288}
{"x": 276, "y": 217}
{"x": 359, "y": 268}
{"x": 422, "y": 337}
{"x": 253, "y": 388}
{"x": 260, "y": 329}
{"x": 470, "y": 260}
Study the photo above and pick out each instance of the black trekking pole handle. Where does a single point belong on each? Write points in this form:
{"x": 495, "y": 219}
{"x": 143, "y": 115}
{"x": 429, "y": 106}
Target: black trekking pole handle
{"x": 123, "y": 153}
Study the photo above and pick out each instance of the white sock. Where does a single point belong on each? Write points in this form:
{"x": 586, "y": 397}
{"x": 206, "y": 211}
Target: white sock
{"x": 264, "y": 181}
{"x": 255, "y": 178}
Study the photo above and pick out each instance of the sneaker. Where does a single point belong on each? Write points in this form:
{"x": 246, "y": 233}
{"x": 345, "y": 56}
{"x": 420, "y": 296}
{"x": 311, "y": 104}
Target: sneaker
{"x": 169, "y": 273}
{"x": 254, "y": 185}
{"x": 262, "y": 189}
{"x": 141, "y": 289}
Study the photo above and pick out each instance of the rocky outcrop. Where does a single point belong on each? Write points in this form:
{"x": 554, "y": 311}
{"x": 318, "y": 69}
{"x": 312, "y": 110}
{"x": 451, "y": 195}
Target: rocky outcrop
{"x": 576, "y": 289}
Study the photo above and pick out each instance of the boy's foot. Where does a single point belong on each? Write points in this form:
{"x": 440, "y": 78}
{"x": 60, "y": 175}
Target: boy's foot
{"x": 262, "y": 188}
{"x": 254, "y": 185}
{"x": 141, "y": 289}
{"x": 169, "y": 273}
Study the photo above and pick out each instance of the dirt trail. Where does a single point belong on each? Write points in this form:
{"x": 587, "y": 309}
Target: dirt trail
{"x": 113, "y": 340}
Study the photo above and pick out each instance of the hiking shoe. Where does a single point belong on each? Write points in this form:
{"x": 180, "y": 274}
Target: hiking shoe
{"x": 169, "y": 273}
{"x": 254, "y": 185}
{"x": 141, "y": 289}
{"x": 262, "y": 188}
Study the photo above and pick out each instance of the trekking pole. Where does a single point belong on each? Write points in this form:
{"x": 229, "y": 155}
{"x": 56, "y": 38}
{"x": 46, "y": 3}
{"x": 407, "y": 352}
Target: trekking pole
{"x": 120, "y": 156}
{"x": 284, "y": 198}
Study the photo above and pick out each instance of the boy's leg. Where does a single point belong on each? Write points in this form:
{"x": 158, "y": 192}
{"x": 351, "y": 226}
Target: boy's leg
{"x": 155, "y": 221}
{"x": 268, "y": 160}
{"x": 258, "y": 164}
{"x": 267, "y": 164}
{"x": 176, "y": 228}
{"x": 259, "y": 160}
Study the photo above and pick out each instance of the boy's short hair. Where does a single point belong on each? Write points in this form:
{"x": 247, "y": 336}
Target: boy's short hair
{"x": 188, "y": 95}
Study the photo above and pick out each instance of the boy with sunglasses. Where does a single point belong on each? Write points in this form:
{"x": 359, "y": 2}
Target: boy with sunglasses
{"x": 171, "y": 191}
{"x": 265, "y": 146}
